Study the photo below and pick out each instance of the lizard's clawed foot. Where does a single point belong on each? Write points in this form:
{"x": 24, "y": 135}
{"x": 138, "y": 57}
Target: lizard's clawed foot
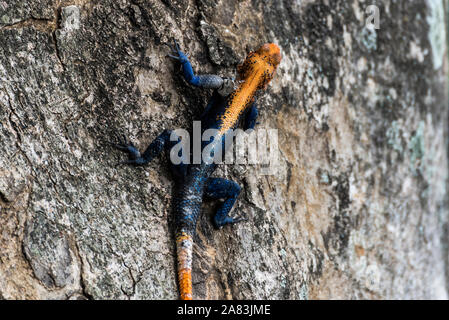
{"x": 177, "y": 54}
{"x": 219, "y": 223}
{"x": 128, "y": 147}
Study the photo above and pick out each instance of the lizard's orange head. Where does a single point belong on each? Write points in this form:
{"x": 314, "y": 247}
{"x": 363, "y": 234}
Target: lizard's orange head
{"x": 270, "y": 52}
{"x": 265, "y": 59}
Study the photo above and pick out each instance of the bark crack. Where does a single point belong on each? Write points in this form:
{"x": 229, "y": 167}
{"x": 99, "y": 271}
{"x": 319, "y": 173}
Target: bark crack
{"x": 45, "y": 25}
{"x": 55, "y": 41}
{"x": 83, "y": 282}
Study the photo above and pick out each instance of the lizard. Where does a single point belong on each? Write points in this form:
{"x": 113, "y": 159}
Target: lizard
{"x": 232, "y": 102}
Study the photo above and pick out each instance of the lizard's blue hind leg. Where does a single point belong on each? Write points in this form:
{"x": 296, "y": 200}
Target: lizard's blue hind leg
{"x": 218, "y": 188}
{"x": 162, "y": 142}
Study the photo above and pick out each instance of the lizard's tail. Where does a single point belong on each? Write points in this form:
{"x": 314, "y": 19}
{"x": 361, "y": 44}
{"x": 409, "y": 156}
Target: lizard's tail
{"x": 184, "y": 244}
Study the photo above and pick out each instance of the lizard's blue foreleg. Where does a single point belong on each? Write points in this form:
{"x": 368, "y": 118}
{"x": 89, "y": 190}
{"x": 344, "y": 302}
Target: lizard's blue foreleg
{"x": 218, "y": 188}
{"x": 208, "y": 81}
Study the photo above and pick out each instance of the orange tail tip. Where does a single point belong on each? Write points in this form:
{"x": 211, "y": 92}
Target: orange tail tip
{"x": 185, "y": 284}
{"x": 184, "y": 245}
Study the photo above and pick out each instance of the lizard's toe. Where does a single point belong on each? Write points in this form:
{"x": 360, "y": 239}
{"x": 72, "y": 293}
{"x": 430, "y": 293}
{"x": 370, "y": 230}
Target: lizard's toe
{"x": 238, "y": 219}
{"x": 219, "y": 223}
{"x": 176, "y": 52}
{"x": 126, "y": 146}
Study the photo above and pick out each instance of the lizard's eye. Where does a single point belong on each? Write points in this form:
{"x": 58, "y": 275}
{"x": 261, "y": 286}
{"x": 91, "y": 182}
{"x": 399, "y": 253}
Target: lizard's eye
{"x": 276, "y": 57}
{"x": 246, "y": 67}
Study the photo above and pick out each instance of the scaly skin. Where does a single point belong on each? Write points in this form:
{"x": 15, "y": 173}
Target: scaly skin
{"x": 193, "y": 180}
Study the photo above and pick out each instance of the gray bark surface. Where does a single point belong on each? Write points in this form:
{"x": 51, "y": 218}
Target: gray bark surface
{"x": 358, "y": 209}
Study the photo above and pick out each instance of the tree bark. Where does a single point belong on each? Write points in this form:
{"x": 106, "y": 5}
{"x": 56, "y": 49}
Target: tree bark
{"x": 358, "y": 208}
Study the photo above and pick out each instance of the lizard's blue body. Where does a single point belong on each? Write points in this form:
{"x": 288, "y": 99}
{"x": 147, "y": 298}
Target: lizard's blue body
{"x": 224, "y": 111}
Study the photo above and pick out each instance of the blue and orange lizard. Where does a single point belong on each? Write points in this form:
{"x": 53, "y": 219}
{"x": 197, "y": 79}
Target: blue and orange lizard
{"x": 228, "y": 105}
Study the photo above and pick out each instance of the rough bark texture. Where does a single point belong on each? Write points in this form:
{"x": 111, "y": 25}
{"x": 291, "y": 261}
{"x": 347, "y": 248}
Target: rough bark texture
{"x": 358, "y": 208}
